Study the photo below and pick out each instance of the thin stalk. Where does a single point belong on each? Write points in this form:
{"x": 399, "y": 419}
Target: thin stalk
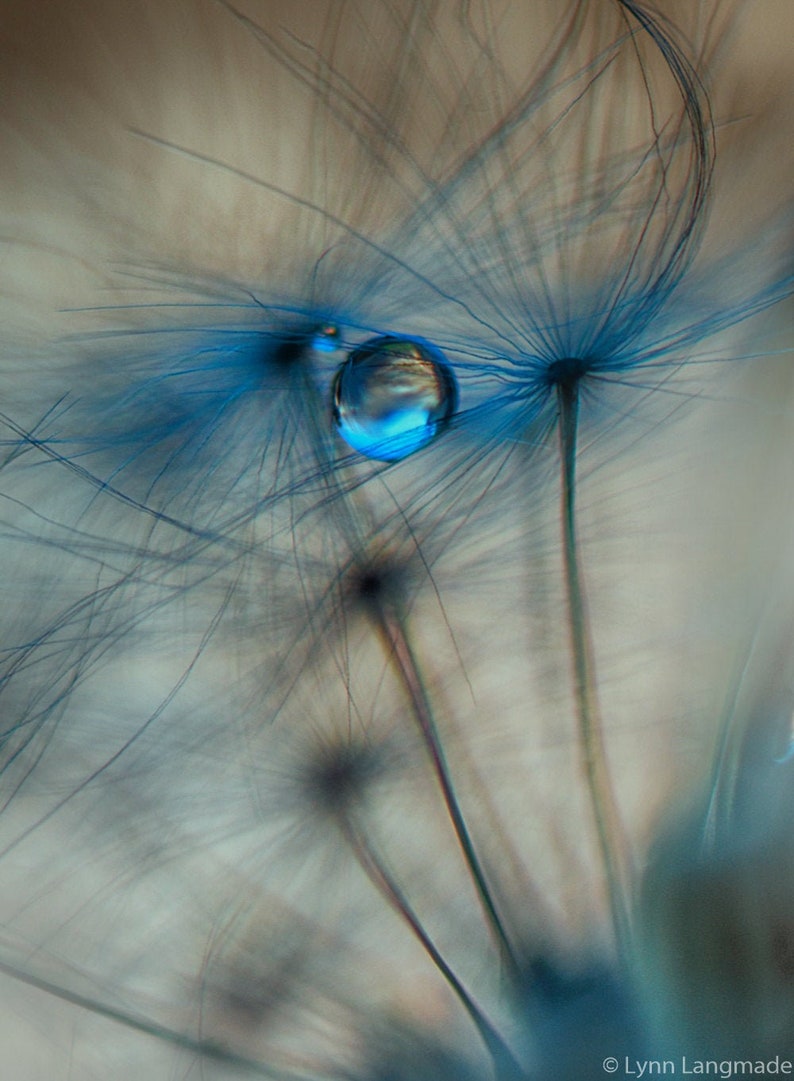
{"x": 609, "y": 827}
{"x": 392, "y": 629}
{"x": 503, "y": 1060}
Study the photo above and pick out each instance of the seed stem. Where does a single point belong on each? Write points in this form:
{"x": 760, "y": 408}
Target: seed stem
{"x": 392, "y": 629}
{"x": 376, "y": 871}
{"x": 609, "y": 827}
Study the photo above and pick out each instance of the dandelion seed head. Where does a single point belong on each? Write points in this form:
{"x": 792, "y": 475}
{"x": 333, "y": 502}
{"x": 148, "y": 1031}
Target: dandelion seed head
{"x": 332, "y": 759}
{"x": 338, "y": 776}
{"x": 383, "y": 579}
{"x": 567, "y": 371}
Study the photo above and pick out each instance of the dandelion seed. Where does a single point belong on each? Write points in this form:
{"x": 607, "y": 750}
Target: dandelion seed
{"x": 293, "y": 741}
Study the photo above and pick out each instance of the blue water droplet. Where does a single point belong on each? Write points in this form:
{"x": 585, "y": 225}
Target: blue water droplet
{"x": 326, "y": 338}
{"x": 392, "y": 396}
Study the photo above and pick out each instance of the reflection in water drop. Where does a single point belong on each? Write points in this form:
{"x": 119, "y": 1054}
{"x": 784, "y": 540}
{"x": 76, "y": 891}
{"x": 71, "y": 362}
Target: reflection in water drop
{"x": 326, "y": 338}
{"x": 392, "y": 396}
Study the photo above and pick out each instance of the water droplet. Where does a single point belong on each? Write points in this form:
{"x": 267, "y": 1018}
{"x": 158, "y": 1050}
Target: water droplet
{"x": 326, "y": 338}
{"x": 392, "y": 396}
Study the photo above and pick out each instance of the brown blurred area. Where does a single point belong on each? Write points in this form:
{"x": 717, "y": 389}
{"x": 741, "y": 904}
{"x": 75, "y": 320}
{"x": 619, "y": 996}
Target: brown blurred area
{"x": 78, "y": 76}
